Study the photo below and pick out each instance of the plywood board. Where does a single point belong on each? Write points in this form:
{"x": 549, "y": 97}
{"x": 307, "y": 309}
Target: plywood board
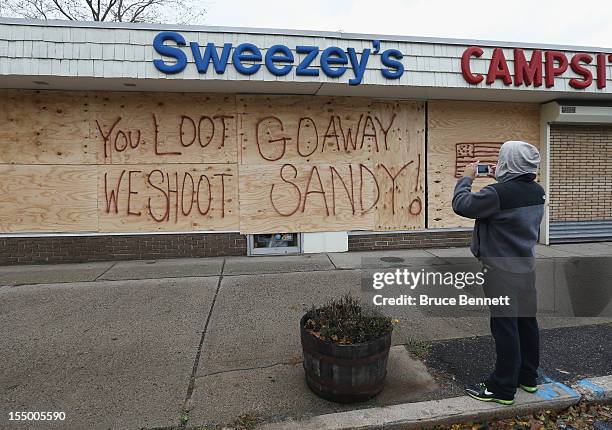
{"x": 400, "y": 167}
{"x": 386, "y": 138}
{"x": 306, "y": 129}
{"x": 168, "y": 197}
{"x": 48, "y": 199}
{"x": 54, "y": 127}
{"x": 45, "y": 127}
{"x": 156, "y": 128}
{"x": 352, "y": 163}
{"x": 460, "y": 132}
{"x": 180, "y": 138}
{"x": 307, "y": 198}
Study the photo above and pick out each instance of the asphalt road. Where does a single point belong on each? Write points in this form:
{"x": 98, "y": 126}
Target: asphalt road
{"x": 567, "y": 354}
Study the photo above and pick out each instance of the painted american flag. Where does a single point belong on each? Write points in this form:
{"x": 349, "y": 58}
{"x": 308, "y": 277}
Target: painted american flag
{"x": 466, "y": 153}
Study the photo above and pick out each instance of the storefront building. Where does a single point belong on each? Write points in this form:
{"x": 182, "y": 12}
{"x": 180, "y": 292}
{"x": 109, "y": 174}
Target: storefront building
{"x": 144, "y": 141}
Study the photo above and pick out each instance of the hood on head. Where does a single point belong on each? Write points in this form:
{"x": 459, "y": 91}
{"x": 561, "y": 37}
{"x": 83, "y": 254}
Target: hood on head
{"x": 516, "y": 158}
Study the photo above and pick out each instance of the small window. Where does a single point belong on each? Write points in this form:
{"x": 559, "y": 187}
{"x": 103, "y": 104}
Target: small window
{"x": 275, "y": 243}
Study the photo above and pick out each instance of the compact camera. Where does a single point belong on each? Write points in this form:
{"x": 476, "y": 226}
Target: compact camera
{"x": 482, "y": 169}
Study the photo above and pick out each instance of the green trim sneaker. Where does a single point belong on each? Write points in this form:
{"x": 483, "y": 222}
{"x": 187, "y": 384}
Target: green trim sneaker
{"x": 480, "y": 392}
{"x": 529, "y": 388}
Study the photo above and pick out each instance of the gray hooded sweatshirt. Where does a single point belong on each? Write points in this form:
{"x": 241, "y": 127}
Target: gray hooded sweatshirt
{"x": 508, "y": 214}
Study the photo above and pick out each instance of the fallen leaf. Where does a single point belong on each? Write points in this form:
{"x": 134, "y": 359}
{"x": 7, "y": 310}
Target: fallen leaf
{"x": 294, "y": 361}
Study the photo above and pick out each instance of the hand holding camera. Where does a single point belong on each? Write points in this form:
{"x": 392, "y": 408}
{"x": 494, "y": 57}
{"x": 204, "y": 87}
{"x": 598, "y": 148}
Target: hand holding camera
{"x": 479, "y": 170}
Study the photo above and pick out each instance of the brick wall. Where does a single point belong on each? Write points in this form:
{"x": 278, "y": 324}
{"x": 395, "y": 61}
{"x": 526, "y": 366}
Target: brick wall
{"x": 68, "y": 249}
{"x": 581, "y": 173}
{"x": 78, "y": 249}
{"x": 429, "y": 239}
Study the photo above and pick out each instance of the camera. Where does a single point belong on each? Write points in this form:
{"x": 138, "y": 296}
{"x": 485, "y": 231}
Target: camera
{"x": 482, "y": 169}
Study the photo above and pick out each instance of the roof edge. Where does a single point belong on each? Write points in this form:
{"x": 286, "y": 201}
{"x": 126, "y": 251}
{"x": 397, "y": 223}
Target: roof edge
{"x": 289, "y": 32}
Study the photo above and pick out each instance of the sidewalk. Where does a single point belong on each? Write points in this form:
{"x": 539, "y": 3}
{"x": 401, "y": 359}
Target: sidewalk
{"x": 140, "y": 344}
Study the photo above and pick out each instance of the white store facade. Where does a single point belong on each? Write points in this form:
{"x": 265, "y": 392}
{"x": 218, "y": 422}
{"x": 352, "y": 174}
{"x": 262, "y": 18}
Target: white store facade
{"x": 283, "y": 105}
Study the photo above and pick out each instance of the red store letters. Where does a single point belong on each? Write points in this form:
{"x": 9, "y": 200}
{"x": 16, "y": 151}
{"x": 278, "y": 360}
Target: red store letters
{"x": 541, "y": 67}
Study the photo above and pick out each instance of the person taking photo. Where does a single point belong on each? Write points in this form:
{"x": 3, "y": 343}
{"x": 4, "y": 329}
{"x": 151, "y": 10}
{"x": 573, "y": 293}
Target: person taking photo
{"x": 508, "y": 216}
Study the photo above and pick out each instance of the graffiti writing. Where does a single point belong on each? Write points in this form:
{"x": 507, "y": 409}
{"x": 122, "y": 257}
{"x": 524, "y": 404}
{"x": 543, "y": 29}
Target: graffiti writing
{"x": 356, "y": 188}
{"x": 366, "y": 133}
{"x": 166, "y": 195}
{"x": 119, "y": 137}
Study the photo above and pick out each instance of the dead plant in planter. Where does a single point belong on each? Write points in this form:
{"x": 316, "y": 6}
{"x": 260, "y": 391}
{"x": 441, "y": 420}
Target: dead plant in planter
{"x": 346, "y": 347}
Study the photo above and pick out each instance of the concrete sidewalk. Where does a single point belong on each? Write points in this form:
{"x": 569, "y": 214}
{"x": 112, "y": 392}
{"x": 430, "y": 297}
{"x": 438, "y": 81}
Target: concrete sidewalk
{"x": 229, "y": 266}
{"x": 141, "y": 344}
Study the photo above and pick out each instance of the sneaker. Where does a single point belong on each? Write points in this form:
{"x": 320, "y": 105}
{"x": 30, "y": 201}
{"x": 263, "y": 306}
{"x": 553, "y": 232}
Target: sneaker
{"x": 480, "y": 392}
{"x": 529, "y": 388}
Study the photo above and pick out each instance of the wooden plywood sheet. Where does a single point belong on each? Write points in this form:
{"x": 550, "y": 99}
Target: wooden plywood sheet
{"x": 53, "y": 127}
{"x": 48, "y": 199}
{"x": 155, "y": 128}
{"x": 383, "y": 141}
{"x": 345, "y": 163}
{"x": 306, "y": 198}
{"x": 461, "y": 132}
{"x": 306, "y": 129}
{"x": 400, "y": 167}
{"x": 169, "y": 197}
{"x": 45, "y": 127}
{"x": 166, "y": 162}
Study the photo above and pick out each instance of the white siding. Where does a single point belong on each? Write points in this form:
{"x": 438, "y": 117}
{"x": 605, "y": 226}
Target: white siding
{"x": 99, "y": 52}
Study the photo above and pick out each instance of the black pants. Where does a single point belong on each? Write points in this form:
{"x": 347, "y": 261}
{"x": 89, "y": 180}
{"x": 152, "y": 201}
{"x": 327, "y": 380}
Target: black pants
{"x": 515, "y": 331}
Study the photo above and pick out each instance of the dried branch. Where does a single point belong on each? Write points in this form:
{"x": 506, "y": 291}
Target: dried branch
{"x": 176, "y": 11}
{"x": 60, "y": 8}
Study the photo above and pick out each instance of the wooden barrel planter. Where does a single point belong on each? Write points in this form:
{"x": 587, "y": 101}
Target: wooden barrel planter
{"x": 344, "y": 373}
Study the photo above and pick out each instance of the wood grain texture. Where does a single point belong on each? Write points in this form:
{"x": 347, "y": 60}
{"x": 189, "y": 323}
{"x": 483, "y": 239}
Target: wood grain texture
{"x": 475, "y": 126}
{"x": 305, "y": 129}
{"x": 384, "y": 141}
{"x": 179, "y": 136}
{"x": 353, "y": 163}
{"x": 54, "y": 127}
{"x": 154, "y": 128}
{"x": 401, "y": 167}
{"x": 306, "y": 198}
{"x": 43, "y": 127}
{"x": 48, "y": 199}
{"x": 168, "y": 197}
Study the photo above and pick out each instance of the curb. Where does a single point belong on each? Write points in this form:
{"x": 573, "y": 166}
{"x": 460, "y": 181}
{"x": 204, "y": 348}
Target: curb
{"x": 595, "y": 389}
{"x": 551, "y": 395}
